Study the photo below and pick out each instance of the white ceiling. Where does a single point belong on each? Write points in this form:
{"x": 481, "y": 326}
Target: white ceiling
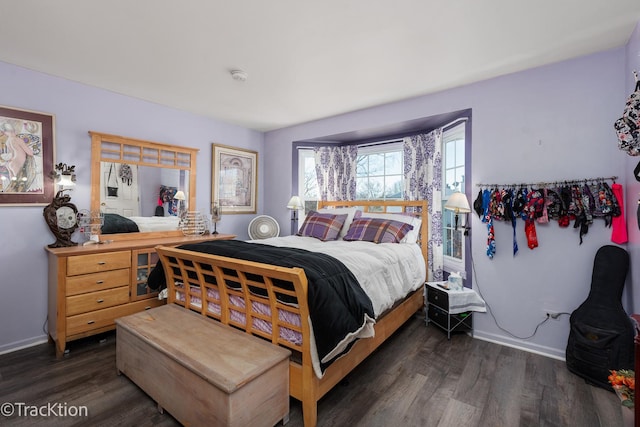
{"x": 305, "y": 59}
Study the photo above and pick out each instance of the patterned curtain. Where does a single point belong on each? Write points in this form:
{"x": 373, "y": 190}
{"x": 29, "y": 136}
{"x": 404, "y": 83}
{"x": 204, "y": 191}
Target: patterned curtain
{"x": 423, "y": 178}
{"x": 336, "y": 172}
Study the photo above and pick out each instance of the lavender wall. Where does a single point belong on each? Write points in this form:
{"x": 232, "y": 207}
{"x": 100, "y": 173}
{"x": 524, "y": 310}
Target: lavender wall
{"x": 78, "y": 109}
{"x": 544, "y": 124}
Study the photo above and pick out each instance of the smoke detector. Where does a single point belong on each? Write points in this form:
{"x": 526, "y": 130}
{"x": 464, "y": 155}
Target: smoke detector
{"x": 239, "y": 75}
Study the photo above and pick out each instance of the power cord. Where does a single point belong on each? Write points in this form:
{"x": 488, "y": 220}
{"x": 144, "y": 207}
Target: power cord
{"x": 490, "y": 311}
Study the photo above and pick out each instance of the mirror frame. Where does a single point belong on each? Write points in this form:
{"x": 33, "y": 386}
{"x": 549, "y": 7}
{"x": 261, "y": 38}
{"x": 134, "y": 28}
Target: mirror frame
{"x": 119, "y": 149}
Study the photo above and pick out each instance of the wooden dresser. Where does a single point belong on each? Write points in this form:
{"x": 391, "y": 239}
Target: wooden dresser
{"x": 90, "y": 286}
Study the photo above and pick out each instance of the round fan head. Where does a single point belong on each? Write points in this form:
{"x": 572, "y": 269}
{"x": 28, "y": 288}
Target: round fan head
{"x": 263, "y": 227}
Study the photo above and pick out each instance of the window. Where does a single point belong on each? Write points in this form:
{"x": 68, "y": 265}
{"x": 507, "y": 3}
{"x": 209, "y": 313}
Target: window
{"x": 307, "y": 181}
{"x": 379, "y": 175}
{"x": 453, "y": 144}
{"x": 379, "y": 172}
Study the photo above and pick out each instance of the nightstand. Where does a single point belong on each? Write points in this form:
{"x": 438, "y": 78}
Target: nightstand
{"x": 452, "y": 310}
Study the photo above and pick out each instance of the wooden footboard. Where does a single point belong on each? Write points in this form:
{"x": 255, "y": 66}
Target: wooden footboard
{"x": 255, "y": 292}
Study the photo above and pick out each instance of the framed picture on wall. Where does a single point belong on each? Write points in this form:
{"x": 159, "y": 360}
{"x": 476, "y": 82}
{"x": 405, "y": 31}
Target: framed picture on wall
{"x": 27, "y": 152}
{"x": 235, "y": 179}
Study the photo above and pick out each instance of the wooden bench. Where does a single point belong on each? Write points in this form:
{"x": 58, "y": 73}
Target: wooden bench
{"x": 201, "y": 371}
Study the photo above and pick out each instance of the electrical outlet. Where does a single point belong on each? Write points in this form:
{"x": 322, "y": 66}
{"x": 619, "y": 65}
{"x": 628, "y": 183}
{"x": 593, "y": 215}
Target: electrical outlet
{"x": 552, "y": 314}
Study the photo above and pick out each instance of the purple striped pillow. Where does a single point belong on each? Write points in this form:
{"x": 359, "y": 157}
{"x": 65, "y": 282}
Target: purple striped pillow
{"x": 322, "y": 226}
{"x": 377, "y": 230}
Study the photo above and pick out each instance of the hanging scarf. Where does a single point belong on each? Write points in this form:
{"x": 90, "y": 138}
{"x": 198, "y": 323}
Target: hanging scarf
{"x": 532, "y": 210}
{"x": 578, "y": 209}
{"x": 555, "y": 208}
{"x": 565, "y": 199}
{"x": 544, "y": 218}
{"x": 496, "y": 209}
{"x": 509, "y": 202}
{"x": 608, "y": 203}
{"x": 598, "y": 205}
{"x": 477, "y": 205}
{"x": 519, "y": 201}
{"x": 486, "y": 218}
{"x": 619, "y": 225}
{"x": 589, "y": 202}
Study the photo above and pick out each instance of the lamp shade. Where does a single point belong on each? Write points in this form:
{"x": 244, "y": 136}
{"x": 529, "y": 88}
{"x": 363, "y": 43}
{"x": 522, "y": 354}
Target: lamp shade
{"x": 458, "y": 202}
{"x": 295, "y": 203}
{"x": 66, "y": 180}
{"x": 179, "y": 195}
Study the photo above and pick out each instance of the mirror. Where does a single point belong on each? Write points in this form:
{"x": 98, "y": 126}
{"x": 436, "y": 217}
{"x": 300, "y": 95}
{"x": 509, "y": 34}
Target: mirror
{"x": 140, "y": 180}
{"x": 147, "y": 188}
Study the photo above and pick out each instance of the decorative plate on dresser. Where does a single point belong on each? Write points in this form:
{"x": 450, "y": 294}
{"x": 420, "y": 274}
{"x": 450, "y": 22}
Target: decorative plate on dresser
{"x": 61, "y": 217}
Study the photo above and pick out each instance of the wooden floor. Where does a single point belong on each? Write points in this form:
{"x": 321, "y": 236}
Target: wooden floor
{"x": 417, "y": 378}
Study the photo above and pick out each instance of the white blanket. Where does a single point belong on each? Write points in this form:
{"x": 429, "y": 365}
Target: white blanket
{"x": 387, "y": 272}
{"x": 156, "y": 223}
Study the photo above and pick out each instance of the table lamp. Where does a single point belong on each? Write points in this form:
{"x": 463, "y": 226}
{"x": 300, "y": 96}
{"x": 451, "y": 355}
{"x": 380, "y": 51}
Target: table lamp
{"x": 459, "y": 204}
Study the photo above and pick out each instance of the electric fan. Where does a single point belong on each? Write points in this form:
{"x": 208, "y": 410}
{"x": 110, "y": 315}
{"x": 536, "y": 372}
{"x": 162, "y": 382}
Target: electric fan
{"x": 263, "y": 227}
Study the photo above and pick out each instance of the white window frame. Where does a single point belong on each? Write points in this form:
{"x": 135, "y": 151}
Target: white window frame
{"x": 451, "y": 135}
{"x": 383, "y": 148}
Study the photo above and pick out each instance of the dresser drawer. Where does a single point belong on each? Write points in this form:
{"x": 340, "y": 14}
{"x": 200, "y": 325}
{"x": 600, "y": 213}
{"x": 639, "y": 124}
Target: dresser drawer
{"x": 97, "y": 300}
{"x": 82, "y": 323}
{"x": 85, "y": 283}
{"x": 83, "y": 264}
{"x": 438, "y": 297}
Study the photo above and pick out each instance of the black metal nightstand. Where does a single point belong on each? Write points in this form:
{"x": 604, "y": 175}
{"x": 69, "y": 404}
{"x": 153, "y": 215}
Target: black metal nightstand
{"x": 440, "y": 312}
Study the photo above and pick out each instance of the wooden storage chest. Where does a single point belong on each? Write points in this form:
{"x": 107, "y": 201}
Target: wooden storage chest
{"x": 201, "y": 371}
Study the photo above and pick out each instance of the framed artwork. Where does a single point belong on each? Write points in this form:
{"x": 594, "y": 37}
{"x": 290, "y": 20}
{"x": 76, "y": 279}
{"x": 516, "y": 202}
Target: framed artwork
{"x": 234, "y": 180}
{"x": 27, "y": 151}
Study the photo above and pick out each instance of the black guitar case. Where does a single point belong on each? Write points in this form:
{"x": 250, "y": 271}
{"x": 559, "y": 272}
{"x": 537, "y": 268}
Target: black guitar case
{"x": 601, "y": 335}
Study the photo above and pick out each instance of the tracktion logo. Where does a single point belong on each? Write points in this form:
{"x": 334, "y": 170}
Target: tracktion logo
{"x": 51, "y": 409}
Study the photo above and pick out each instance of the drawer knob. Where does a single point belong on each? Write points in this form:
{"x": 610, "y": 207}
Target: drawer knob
{"x": 101, "y": 262}
{"x": 100, "y": 301}
{"x": 91, "y": 322}
{"x": 99, "y": 282}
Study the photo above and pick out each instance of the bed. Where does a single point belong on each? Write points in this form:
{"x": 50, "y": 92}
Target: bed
{"x": 269, "y": 301}
{"x": 114, "y": 223}
{"x": 156, "y": 223}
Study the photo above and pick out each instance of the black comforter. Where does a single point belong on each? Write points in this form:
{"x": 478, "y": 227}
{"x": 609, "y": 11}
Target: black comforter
{"x": 114, "y": 223}
{"x": 337, "y": 303}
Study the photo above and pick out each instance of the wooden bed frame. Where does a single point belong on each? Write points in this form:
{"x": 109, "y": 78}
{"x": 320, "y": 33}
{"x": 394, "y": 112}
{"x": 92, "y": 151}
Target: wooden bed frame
{"x": 205, "y": 271}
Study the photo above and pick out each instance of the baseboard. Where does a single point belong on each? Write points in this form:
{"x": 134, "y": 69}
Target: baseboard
{"x": 537, "y": 349}
{"x": 19, "y": 345}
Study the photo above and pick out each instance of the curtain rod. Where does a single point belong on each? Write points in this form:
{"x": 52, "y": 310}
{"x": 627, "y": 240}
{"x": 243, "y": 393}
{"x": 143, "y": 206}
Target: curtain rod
{"x": 545, "y": 184}
{"x": 459, "y": 119}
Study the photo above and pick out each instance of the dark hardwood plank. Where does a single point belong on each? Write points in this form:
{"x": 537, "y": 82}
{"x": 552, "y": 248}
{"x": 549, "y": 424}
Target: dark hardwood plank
{"x": 417, "y": 378}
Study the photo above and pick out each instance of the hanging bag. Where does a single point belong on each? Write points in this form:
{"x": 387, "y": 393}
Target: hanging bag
{"x": 112, "y": 191}
{"x": 126, "y": 174}
{"x": 628, "y": 126}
